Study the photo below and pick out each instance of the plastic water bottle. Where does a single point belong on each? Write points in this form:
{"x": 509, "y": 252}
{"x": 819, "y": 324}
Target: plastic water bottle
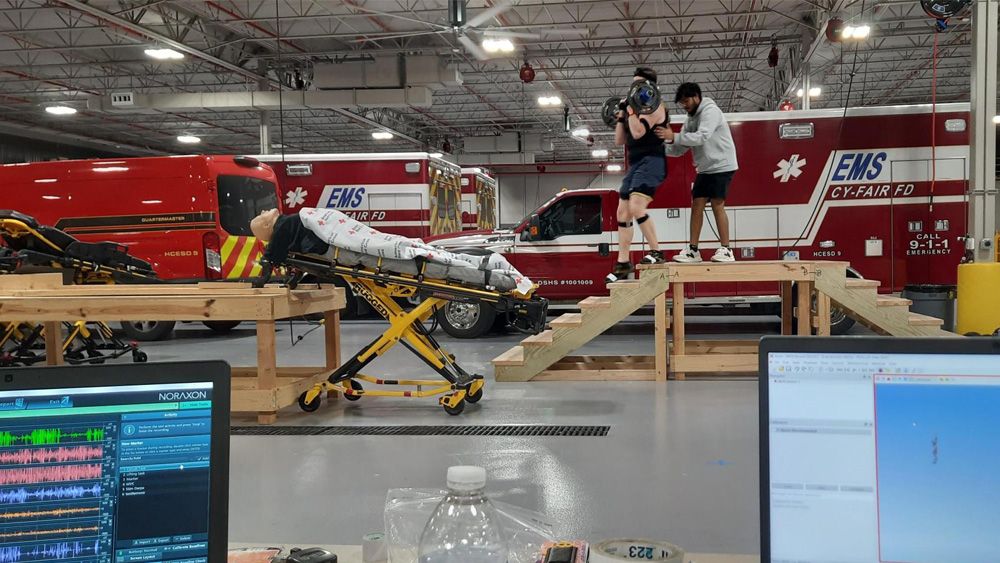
{"x": 464, "y": 527}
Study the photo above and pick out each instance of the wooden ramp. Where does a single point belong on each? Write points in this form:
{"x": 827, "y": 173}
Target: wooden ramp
{"x": 544, "y": 356}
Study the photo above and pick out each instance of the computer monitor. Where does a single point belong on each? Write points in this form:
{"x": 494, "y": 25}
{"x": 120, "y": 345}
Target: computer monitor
{"x": 878, "y": 450}
{"x": 115, "y": 464}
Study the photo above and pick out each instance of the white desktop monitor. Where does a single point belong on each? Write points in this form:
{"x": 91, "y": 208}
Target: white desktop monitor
{"x": 880, "y": 450}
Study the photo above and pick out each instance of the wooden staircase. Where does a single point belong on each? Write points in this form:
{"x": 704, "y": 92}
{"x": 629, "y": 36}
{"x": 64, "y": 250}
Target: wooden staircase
{"x": 860, "y": 298}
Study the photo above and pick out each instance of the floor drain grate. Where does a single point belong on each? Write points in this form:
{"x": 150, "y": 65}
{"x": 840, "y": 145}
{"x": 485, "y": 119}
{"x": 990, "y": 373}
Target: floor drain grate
{"x": 500, "y": 430}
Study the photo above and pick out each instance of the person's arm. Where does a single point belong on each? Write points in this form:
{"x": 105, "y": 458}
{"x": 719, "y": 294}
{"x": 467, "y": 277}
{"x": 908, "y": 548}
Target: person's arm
{"x": 673, "y": 149}
{"x": 709, "y": 122}
{"x": 636, "y": 126}
{"x": 620, "y": 134}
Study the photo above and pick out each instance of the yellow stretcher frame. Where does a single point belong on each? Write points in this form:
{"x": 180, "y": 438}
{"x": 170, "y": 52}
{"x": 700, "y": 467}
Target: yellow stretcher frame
{"x": 380, "y": 290}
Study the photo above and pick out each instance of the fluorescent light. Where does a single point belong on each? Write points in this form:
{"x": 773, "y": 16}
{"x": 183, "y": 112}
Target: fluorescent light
{"x": 152, "y": 201}
{"x": 549, "y": 100}
{"x": 164, "y": 54}
{"x": 599, "y": 153}
{"x": 862, "y": 31}
{"x": 61, "y": 110}
{"x": 498, "y": 45}
{"x": 45, "y": 180}
{"x": 614, "y": 168}
{"x": 582, "y": 132}
{"x": 111, "y": 169}
{"x": 815, "y": 91}
{"x": 996, "y": 119}
{"x": 800, "y": 92}
{"x": 847, "y": 32}
{"x": 435, "y": 155}
{"x": 188, "y": 139}
{"x": 51, "y": 197}
{"x": 381, "y": 135}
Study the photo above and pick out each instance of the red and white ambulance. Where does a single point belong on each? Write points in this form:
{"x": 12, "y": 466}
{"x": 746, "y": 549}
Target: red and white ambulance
{"x": 480, "y": 211}
{"x": 414, "y": 194}
{"x": 188, "y": 216}
{"x": 882, "y": 187}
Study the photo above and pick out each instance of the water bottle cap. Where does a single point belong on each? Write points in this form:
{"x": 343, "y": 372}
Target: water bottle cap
{"x": 466, "y": 478}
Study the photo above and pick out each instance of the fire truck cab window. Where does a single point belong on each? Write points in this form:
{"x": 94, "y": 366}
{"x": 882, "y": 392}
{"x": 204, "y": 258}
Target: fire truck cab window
{"x": 241, "y": 199}
{"x": 580, "y": 215}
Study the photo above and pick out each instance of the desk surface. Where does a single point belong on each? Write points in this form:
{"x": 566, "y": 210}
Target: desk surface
{"x": 352, "y": 554}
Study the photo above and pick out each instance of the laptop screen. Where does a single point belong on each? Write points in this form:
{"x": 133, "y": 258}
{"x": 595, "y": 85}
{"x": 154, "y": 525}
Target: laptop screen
{"x": 115, "y": 474}
{"x": 883, "y": 457}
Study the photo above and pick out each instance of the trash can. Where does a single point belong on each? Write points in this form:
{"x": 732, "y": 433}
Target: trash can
{"x": 933, "y": 300}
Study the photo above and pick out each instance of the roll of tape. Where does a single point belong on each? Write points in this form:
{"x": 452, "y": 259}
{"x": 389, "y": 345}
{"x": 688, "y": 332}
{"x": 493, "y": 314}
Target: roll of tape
{"x": 615, "y": 551}
{"x": 373, "y": 550}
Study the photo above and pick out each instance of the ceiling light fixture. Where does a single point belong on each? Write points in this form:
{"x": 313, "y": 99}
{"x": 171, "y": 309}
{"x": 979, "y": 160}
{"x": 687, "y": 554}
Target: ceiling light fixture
{"x": 164, "y": 54}
{"x": 189, "y": 139}
{"x": 582, "y": 132}
{"x": 815, "y": 91}
{"x": 549, "y": 101}
{"x": 60, "y": 110}
{"x": 599, "y": 153}
{"x": 614, "y": 168}
{"x": 498, "y": 45}
{"x": 996, "y": 119}
{"x": 856, "y": 31}
{"x": 381, "y": 135}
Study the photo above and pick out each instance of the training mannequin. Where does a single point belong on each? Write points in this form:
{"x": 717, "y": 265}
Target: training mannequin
{"x": 284, "y": 234}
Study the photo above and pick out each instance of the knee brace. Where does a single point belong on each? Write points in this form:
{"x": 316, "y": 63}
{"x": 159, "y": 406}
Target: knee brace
{"x": 642, "y": 219}
{"x": 624, "y": 225}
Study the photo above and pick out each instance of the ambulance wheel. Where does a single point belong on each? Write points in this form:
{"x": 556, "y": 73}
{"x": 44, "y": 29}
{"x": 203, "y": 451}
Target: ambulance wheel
{"x": 139, "y": 357}
{"x": 309, "y": 407}
{"x": 474, "y": 397}
{"x": 455, "y": 410}
{"x": 146, "y": 331}
{"x": 221, "y": 327}
{"x": 355, "y": 385}
{"x": 466, "y": 320}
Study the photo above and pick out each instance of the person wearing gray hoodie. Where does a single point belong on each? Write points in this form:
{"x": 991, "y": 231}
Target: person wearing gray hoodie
{"x": 707, "y": 135}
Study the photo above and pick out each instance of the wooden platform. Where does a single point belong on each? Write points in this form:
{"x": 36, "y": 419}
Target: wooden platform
{"x": 264, "y": 388}
{"x": 819, "y": 285}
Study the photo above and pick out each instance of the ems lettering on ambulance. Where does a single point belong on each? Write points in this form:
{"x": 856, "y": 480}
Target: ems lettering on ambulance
{"x": 241, "y": 257}
{"x": 865, "y": 175}
{"x": 352, "y": 200}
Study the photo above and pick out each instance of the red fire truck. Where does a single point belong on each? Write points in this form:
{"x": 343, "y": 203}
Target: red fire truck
{"x": 866, "y": 186}
{"x": 188, "y": 216}
{"x": 410, "y": 194}
{"x": 479, "y": 200}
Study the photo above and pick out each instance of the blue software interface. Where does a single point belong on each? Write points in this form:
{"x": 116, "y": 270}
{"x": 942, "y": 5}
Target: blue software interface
{"x": 884, "y": 458}
{"x": 105, "y": 474}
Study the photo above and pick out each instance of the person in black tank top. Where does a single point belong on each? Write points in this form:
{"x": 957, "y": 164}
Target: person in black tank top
{"x": 647, "y": 168}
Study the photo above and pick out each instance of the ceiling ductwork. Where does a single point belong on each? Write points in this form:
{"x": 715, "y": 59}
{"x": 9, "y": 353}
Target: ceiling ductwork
{"x": 386, "y": 72}
{"x": 509, "y": 142}
{"x": 417, "y": 96}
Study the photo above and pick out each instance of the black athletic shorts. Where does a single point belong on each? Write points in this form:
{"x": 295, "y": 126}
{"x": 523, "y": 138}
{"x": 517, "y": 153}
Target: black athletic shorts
{"x": 712, "y": 186}
{"x": 644, "y": 176}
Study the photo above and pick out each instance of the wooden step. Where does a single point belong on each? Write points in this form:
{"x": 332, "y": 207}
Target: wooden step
{"x": 540, "y": 339}
{"x": 625, "y": 284}
{"x": 862, "y": 284}
{"x": 917, "y": 319}
{"x": 568, "y": 320}
{"x": 890, "y": 301}
{"x": 596, "y": 303}
{"x": 513, "y": 357}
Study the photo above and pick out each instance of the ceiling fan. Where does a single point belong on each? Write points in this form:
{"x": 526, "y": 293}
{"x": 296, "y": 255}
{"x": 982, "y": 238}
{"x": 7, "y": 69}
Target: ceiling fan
{"x": 464, "y": 29}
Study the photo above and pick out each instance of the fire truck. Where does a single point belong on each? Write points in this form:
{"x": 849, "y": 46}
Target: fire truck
{"x": 188, "y": 216}
{"x": 480, "y": 211}
{"x": 884, "y": 188}
{"x": 413, "y": 194}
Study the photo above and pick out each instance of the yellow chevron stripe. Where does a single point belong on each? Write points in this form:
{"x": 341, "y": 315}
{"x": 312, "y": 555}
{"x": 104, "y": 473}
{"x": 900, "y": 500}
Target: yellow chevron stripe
{"x": 241, "y": 262}
{"x": 227, "y": 247}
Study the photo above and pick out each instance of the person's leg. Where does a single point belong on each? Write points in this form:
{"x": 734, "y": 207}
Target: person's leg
{"x": 625, "y": 233}
{"x": 697, "y": 219}
{"x": 721, "y": 219}
{"x": 637, "y": 207}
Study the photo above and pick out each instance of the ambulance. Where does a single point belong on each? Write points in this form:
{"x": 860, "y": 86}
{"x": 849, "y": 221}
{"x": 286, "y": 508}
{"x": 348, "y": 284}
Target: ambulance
{"x": 480, "y": 211}
{"x": 884, "y": 188}
{"x": 188, "y": 216}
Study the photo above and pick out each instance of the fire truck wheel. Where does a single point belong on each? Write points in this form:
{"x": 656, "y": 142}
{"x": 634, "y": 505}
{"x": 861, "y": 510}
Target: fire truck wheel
{"x": 221, "y": 327}
{"x": 146, "y": 331}
{"x": 466, "y": 320}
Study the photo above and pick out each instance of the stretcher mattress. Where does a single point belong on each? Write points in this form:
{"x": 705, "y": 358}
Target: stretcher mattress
{"x": 353, "y": 243}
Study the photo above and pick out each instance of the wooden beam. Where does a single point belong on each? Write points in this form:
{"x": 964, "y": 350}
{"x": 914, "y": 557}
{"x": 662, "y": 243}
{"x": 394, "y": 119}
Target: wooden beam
{"x": 822, "y": 314}
{"x": 331, "y": 328}
{"x": 716, "y": 363}
{"x": 805, "y": 308}
{"x": 267, "y": 375}
{"x": 53, "y": 343}
{"x": 661, "y": 345}
{"x": 764, "y": 270}
{"x": 722, "y": 346}
{"x": 597, "y": 375}
{"x": 679, "y": 349}
{"x": 787, "y": 308}
{"x": 21, "y": 282}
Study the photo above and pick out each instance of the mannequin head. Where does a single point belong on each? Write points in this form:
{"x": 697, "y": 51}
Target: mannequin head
{"x": 262, "y": 225}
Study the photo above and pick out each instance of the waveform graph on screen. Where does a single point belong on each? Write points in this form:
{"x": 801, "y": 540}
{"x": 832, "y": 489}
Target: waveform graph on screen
{"x": 49, "y": 511}
{"x": 47, "y": 436}
{"x": 50, "y": 474}
{"x": 61, "y": 454}
{"x": 25, "y": 495}
{"x": 48, "y": 551}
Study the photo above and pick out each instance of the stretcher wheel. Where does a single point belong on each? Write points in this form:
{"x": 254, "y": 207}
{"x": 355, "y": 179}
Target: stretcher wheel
{"x": 139, "y": 357}
{"x": 455, "y": 410}
{"x": 355, "y": 385}
{"x": 474, "y": 397}
{"x": 309, "y": 407}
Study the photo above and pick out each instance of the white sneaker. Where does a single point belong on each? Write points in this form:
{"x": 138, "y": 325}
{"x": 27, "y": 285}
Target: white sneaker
{"x": 688, "y": 255}
{"x": 723, "y": 255}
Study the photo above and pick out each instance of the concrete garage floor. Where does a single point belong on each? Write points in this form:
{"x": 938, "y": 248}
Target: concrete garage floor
{"x": 680, "y": 462}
